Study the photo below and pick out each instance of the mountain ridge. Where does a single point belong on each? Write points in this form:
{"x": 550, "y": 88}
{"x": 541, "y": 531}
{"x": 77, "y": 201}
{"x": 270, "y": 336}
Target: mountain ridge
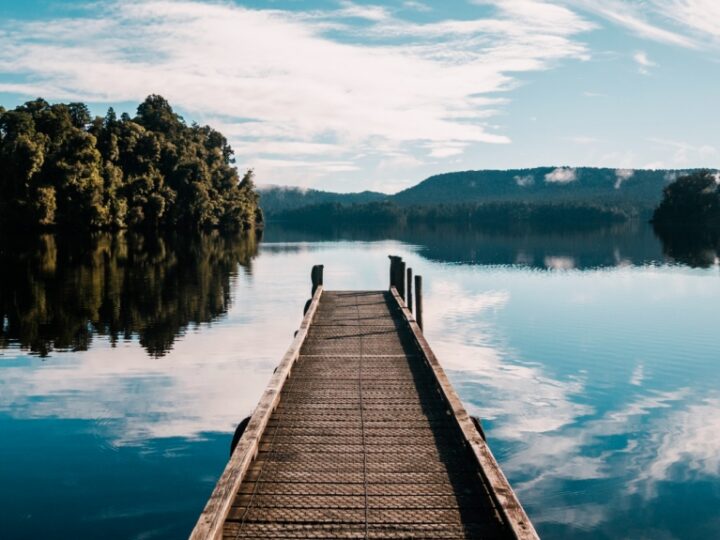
{"x": 639, "y": 190}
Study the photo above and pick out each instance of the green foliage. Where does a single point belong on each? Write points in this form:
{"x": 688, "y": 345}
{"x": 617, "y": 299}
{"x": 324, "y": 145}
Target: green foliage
{"x": 61, "y": 167}
{"x": 507, "y": 215}
{"x": 690, "y": 200}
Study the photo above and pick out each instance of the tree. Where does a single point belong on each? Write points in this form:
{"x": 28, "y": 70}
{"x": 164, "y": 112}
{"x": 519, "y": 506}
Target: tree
{"x": 691, "y": 200}
{"x": 61, "y": 167}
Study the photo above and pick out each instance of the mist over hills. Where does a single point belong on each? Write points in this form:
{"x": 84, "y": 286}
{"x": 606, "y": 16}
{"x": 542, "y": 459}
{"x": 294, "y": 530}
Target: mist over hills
{"x": 634, "y": 190}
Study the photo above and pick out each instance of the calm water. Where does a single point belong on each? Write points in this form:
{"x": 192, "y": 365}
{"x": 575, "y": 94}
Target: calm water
{"x": 592, "y": 357}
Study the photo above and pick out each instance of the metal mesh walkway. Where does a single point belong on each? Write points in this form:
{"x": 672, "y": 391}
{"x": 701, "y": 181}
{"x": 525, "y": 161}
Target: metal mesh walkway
{"x": 361, "y": 444}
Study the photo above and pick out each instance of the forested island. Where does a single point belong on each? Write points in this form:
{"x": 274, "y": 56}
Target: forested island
{"x": 62, "y": 168}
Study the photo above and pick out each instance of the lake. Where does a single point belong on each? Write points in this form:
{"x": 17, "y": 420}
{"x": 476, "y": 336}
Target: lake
{"x": 592, "y": 357}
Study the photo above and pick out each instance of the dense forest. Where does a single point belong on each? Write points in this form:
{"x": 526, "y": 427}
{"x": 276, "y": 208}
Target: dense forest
{"x": 507, "y": 216}
{"x": 59, "y": 167}
{"x": 276, "y": 199}
{"x": 133, "y": 284}
{"x": 632, "y": 191}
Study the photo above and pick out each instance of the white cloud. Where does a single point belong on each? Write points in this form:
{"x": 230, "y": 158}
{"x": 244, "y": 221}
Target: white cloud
{"x": 370, "y": 13}
{"x": 701, "y": 16}
{"x": 686, "y": 153}
{"x": 284, "y": 79}
{"x": 561, "y": 175}
{"x": 644, "y": 63}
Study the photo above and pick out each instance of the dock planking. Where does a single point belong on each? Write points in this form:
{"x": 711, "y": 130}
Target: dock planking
{"x": 360, "y": 435}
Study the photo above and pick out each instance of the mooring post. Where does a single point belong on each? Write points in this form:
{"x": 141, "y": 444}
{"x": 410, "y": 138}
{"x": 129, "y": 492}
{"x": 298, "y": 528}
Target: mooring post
{"x": 316, "y": 276}
{"x": 409, "y": 289}
{"x": 401, "y": 279}
{"x": 418, "y": 301}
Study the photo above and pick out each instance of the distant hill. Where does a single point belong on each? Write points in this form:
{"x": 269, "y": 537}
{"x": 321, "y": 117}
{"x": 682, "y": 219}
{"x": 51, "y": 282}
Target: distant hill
{"x": 637, "y": 189}
{"x": 277, "y": 199}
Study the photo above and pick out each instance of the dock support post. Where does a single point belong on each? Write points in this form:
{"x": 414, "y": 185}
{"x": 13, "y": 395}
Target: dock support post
{"x": 316, "y": 276}
{"x": 409, "y": 289}
{"x": 418, "y": 301}
{"x": 401, "y": 279}
{"x": 394, "y": 263}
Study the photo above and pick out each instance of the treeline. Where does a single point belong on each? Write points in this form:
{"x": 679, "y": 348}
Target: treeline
{"x": 59, "y": 167}
{"x": 149, "y": 286}
{"x": 496, "y": 215}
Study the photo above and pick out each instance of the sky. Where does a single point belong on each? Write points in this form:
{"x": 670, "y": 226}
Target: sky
{"x": 348, "y": 96}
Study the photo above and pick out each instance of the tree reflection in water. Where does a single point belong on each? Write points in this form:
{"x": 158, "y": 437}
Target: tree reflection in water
{"x": 57, "y": 291}
{"x": 695, "y": 246}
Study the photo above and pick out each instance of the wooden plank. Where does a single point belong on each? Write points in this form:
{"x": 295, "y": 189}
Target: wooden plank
{"x": 506, "y": 501}
{"x": 211, "y": 521}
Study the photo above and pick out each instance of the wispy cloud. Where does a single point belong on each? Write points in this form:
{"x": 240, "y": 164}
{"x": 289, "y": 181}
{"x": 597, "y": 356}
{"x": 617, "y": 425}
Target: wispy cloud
{"x": 685, "y": 153}
{"x": 700, "y": 16}
{"x": 633, "y": 17}
{"x": 417, "y": 6}
{"x": 274, "y": 77}
{"x": 644, "y": 63}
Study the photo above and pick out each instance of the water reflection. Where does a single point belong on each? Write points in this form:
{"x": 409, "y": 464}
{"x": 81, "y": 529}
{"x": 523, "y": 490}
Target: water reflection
{"x": 598, "y": 387}
{"x": 630, "y": 243}
{"x": 599, "y": 402}
{"x": 697, "y": 247}
{"x": 57, "y": 292}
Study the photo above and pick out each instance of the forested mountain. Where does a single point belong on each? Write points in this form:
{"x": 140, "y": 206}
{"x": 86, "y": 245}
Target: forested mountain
{"x": 277, "y": 199}
{"x": 61, "y": 167}
{"x": 639, "y": 189}
{"x": 629, "y": 191}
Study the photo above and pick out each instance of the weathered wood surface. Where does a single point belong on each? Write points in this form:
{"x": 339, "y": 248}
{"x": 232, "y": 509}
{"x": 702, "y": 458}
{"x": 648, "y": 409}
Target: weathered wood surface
{"x": 211, "y": 522}
{"x": 365, "y": 438}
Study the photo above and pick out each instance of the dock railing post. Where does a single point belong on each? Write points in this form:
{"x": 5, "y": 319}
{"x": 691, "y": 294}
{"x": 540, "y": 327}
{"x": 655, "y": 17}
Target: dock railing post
{"x": 418, "y": 301}
{"x": 401, "y": 279}
{"x": 409, "y": 289}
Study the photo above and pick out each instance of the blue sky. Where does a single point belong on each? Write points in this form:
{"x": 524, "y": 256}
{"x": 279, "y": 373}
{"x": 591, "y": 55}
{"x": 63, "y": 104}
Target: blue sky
{"x": 357, "y": 95}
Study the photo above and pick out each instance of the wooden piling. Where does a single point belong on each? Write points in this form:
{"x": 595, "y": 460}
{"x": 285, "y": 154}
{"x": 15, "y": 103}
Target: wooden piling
{"x": 394, "y": 262}
{"x": 316, "y": 276}
{"x": 419, "y": 302}
{"x": 401, "y": 279}
{"x": 409, "y": 289}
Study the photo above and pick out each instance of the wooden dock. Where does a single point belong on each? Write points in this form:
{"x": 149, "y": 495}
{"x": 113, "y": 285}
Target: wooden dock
{"x": 360, "y": 435}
